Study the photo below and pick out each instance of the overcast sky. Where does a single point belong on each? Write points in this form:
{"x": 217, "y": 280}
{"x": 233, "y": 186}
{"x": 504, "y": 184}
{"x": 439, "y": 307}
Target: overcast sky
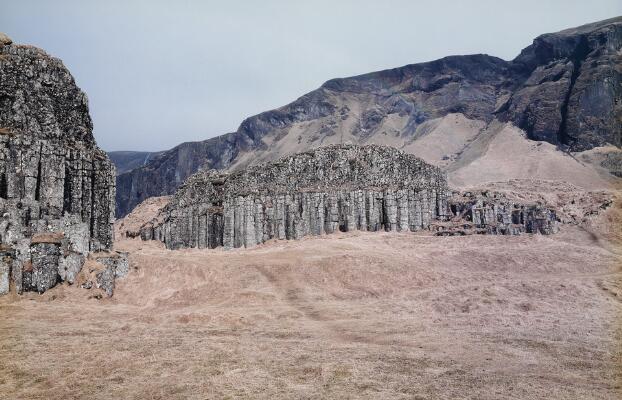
{"x": 159, "y": 73}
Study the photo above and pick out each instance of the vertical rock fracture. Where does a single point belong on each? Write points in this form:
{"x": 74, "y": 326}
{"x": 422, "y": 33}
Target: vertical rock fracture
{"x": 329, "y": 189}
{"x": 57, "y": 187}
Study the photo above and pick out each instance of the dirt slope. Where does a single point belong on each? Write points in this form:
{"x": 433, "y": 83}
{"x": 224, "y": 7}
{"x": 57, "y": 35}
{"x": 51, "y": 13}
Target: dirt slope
{"x": 130, "y": 225}
{"x": 503, "y": 152}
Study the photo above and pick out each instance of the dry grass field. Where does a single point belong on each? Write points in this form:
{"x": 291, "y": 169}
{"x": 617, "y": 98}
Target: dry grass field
{"x": 357, "y": 315}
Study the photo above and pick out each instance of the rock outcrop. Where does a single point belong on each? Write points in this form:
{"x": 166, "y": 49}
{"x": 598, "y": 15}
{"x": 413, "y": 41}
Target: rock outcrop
{"x": 164, "y": 172}
{"x": 565, "y": 89}
{"x": 56, "y": 186}
{"x": 487, "y": 212}
{"x": 572, "y": 94}
{"x": 329, "y": 189}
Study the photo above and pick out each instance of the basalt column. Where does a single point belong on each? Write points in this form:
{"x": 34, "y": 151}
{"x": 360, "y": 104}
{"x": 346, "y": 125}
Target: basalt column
{"x": 327, "y": 190}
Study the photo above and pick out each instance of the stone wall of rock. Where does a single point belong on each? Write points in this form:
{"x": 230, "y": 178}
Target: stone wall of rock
{"x": 57, "y": 187}
{"x": 250, "y": 220}
{"x": 330, "y": 189}
{"x": 487, "y": 212}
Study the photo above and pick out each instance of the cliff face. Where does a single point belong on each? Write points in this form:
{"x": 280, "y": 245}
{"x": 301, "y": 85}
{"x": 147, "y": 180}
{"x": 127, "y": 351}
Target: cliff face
{"x": 573, "y": 91}
{"x": 330, "y": 189}
{"x": 165, "y": 171}
{"x": 56, "y": 186}
{"x": 564, "y": 89}
{"x": 128, "y": 160}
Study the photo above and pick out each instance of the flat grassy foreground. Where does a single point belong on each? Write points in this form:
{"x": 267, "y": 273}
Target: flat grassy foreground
{"x": 357, "y": 315}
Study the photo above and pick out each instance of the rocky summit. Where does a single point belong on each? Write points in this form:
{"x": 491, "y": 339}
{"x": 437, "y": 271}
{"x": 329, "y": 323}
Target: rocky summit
{"x": 56, "y": 186}
{"x": 330, "y": 189}
{"x": 564, "y": 89}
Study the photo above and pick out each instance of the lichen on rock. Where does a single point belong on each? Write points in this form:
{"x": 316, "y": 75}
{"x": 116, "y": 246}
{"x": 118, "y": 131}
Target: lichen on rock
{"x": 57, "y": 187}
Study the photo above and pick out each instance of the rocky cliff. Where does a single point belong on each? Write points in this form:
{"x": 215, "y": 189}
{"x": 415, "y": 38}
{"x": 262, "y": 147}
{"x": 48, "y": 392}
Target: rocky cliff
{"x": 572, "y": 94}
{"x": 128, "y": 160}
{"x": 565, "y": 89}
{"x": 329, "y": 189}
{"x": 56, "y": 186}
{"x": 165, "y": 171}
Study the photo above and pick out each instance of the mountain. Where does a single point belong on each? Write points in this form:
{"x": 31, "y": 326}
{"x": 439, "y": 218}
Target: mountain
{"x": 564, "y": 89}
{"x": 165, "y": 171}
{"x": 128, "y": 160}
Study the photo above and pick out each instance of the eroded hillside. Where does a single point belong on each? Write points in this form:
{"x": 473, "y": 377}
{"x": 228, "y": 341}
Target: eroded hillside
{"x": 564, "y": 90}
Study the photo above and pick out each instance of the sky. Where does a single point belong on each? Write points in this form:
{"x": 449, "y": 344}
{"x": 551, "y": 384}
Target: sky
{"x": 158, "y": 73}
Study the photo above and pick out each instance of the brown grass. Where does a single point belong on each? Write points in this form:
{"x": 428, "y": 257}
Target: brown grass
{"x": 48, "y": 237}
{"x": 357, "y": 315}
{"x": 6, "y": 132}
{"x": 145, "y": 212}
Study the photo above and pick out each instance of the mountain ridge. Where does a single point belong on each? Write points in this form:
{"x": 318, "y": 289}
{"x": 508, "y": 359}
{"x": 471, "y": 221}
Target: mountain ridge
{"x": 127, "y": 160}
{"x": 576, "y": 72}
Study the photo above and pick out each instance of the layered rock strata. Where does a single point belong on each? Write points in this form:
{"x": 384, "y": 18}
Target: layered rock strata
{"x": 330, "y": 189}
{"x": 57, "y": 187}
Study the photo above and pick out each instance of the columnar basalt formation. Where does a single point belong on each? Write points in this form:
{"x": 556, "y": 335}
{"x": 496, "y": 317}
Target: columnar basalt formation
{"x": 56, "y": 186}
{"x": 487, "y": 212}
{"x": 333, "y": 188}
{"x": 330, "y": 189}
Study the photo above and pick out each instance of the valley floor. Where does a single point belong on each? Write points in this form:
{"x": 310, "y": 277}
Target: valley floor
{"x": 357, "y": 315}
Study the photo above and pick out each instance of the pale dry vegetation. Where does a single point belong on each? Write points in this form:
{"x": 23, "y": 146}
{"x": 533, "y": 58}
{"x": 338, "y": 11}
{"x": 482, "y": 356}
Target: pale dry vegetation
{"x": 358, "y": 315}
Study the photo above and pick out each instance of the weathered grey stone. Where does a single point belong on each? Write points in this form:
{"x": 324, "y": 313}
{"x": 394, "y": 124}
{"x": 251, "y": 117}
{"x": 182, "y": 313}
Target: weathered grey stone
{"x": 21, "y": 259}
{"x": 56, "y": 186}
{"x": 76, "y": 234}
{"x": 331, "y": 189}
{"x": 118, "y": 261}
{"x": 123, "y": 265}
{"x": 45, "y": 260}
{"x": 105, "y": 280}
{"x": 6, "y": 262}
{"x": 327, "y": 190}
{"x": 69, "y": 266}
{"x": 493, "y": 213}
{"x": 5, "y": 269}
